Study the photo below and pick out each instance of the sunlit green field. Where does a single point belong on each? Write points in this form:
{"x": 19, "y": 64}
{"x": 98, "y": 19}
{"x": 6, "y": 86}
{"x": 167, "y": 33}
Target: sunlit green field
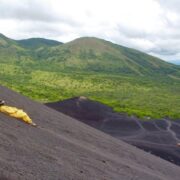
{"x": 144, "y": 97}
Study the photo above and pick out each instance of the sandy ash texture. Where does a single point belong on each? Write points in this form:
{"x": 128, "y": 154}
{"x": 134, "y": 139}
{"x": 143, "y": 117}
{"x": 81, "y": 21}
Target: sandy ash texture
{"x": 61, "y": 148}
{"x": 159, "y": 137}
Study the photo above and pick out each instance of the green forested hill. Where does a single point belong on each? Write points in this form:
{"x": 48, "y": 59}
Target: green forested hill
{"x": 34, "y": 43}
{"x": 126, "y": 79}
{"x": 96, "y": 55}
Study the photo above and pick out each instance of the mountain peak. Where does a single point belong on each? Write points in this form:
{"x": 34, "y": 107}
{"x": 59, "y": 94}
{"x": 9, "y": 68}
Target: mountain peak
{"x": 86, "y": 41}
{"x": 88, "y": 38}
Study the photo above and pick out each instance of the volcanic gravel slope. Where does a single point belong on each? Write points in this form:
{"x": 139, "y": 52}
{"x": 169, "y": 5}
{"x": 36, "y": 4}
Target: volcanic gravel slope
{"x": 61, "y": 148}
{"x": 159, "y": 137}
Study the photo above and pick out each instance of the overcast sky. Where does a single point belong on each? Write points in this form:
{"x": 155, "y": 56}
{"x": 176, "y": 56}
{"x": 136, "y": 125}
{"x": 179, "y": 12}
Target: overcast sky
{"x": 152, "y": 26}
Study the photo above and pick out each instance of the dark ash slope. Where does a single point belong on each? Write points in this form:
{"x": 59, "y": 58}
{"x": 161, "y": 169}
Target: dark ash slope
{"x": 63, "y": 149}
{"x": 160, "y": 137}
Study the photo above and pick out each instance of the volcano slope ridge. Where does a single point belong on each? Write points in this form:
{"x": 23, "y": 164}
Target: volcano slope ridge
{"x": 61, "y": 148}
{"x": 159, "y": 137}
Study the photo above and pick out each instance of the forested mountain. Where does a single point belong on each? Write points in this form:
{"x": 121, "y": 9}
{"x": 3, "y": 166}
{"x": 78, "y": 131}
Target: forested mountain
{"x": 123, "y": 78}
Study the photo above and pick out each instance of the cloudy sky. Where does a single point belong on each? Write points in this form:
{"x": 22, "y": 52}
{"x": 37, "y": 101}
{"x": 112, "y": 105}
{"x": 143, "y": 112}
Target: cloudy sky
{"x": 152, "y": 26}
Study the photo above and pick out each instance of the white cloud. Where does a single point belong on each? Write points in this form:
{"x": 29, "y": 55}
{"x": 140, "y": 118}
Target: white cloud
{"x": 149, "y": 25}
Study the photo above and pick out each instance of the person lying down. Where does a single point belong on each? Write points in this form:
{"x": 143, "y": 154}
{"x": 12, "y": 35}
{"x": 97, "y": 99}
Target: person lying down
{"x": 16, "y": 113}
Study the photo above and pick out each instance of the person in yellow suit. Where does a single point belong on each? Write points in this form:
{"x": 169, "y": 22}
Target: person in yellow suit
{"x": 16, "y": 113}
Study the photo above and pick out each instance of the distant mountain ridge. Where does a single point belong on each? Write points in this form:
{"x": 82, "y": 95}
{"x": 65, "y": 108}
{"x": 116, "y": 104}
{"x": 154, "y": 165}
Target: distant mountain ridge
{"x": 93, "y": 54}
{"x": 37, "y": 43}
{"x": 90, "y": 54}
{"x": 31, "y": 43}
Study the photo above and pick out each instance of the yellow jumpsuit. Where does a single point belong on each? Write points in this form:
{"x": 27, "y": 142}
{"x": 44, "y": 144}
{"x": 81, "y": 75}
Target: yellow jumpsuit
{"x": 16, "y": 113}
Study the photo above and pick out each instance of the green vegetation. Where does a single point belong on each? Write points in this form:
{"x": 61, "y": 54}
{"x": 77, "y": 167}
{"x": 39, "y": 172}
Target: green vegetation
{"x": 123, "y": 78}
{"x": 34, "y": 43}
